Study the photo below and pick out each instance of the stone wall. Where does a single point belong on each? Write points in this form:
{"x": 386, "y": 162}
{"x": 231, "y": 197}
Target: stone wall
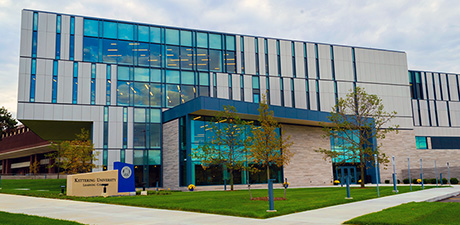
{"x": 402, "y": 146}
{"x": 171, "y": 154}
{"x": 307, "y": 167}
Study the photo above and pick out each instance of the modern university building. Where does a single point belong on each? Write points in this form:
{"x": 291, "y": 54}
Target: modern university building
{"x": 146, "y": 93}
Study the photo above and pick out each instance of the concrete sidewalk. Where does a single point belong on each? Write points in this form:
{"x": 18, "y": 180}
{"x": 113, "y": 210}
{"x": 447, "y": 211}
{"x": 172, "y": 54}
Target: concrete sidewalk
{"x": 97, "y": 213}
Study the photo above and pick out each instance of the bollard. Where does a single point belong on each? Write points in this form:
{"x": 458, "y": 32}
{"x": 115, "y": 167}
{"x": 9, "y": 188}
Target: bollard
{"x": 408, "y": 168}
{"x": 45, "y": 176}
{"x": 448, "y": 174}
{"x": 157, "y": 186}
{"x": 104, "y": 190}
{"x": 62, "y": 189}
{"x": 421, "y": 174}
{"x": 436, "y": 172}
{"x": 341, "y": 181}
{"x": 225, "y": 184}
{"x": 271, "y": 207}
{"x": 348, "y": 187}
{"x": 394, "y": 176}
{"x": 377, "y": 175}
{"x": 440, "y": 178}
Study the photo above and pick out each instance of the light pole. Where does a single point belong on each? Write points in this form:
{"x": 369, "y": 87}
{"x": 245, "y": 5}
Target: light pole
{"x": 408, "y": 168}
{"x": 376, "y": 175}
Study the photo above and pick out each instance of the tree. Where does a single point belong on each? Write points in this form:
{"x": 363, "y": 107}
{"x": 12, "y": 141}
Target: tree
{"x": 227, "y": 147}
{"x": 268, "y": 147}
{"x": 7, "y": 121}
{"x": 74, "y": 156}
{"x": 357, "y": 120}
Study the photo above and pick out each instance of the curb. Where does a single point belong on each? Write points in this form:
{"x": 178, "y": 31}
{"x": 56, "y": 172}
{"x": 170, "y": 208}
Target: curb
{"x": 442, "y": 197}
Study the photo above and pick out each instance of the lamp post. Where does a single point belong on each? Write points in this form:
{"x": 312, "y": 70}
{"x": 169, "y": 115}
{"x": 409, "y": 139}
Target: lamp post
{"x": 421, "y": 173}
{"x": 376, "y": 175}
{"x": 448, "y": 174}
{"x": 394, "y": 176}
{"x": 408, "y": 168}
{"x": 436, "y": 172}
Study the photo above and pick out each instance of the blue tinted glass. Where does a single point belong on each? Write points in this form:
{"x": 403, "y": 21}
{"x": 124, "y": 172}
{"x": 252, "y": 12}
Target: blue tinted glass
{"x": 141, "y": 74}
{"x": 204, "y": 79}
{"x": 123, "y": 73}
{"x": 90, "y": 49}
{"x": 230, "y": 62}
{"x": 186, "y": 58}
{"x": 201, "y": 40}
{"x": 109, "y": 72}
{"x": 186, "y": 38}
{"x": 123, "y": 93}
{"x": 255, "y": 82}
{"x": 138, "y": 154}
{"x": 155, "y": 75}
{"x": 34, "y": 44}
{"x": 91, "y": 28}
{"x": 172, "y": 76}
{"x": 110, "y": 30}
{"x": 139, "y": 141}
{"x": 34, "y": 66}
{"x": 155, "y": 95}
{"x": 141, "y": 94}
{"x": 155, "y": 55}
{"x": 172, "y": 57}
{"x": 202, "y": 59}
{"x": 155, "y": 34}
{"x": 125, "y": 31}
{"x": 139, "y": 115}
{"x": 143, "y": 54}
{"x": 172, "y": 95}
{"x": 72, "y": 25}
{"x": 75, "y": 90}
{"x": 187, "y": 93}
{"x": 143, "y": 33}
{"x": 172, "y": 36}
{"x": 125, "y": 52}
{"x": 93, "y": 90}
{"x": 58, "y": 46}
{"x": 108, "y": 91}
{"x": 187, "y": 77}
{"x": 58, "y": 24}
{"x": 93, "y": 70}
{"x": 256, "y": 98}
{"x": 230, "y": 43}
{"x": 155, "y": 155}
{"x": 75, "y": 69}
{"x": 215, "y": 60}
{"x": 54, "y": 91}
{"x": 32, "y": 88}
{"x": 55, "y": 68}
{"x": 35, "y": 21}
{"x": 109, "y": 51}
{"x": 215, "y": 41}
{"x": 71, "y": 48}
{"x": 155, "y": 115}
{"x": 155, "y": 142}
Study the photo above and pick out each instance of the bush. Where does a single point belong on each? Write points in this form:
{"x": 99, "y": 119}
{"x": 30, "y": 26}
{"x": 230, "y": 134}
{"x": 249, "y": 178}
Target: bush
{"x": 444, "y": 181}
{"x": 399, "y": 181}
{"x": 387, "y": 181}
{"x": 433, "y": 181}
{"x": 406, "y": 181}
{"x": 453, "y": 180}
{"x": 414, "y": 181}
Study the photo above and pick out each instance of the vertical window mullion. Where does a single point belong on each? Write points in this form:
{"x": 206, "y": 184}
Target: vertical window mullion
{"x": 75, "y": 83}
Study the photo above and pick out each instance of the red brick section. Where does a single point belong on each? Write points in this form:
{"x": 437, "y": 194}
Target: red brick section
{"x": 20, "y": 139}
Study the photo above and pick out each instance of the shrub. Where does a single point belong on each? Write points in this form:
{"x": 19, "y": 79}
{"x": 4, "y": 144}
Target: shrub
{"x": 444, "y": 181}
{"x": 414, "y": 181}
{"x": 453, "y": 180}
{"x": 387, "y": 181}
{"x": 426, "y": 181}
{"x": 399, "y": 181}
{"x": 406, "y": 181}
{"x": 433, "y": 181}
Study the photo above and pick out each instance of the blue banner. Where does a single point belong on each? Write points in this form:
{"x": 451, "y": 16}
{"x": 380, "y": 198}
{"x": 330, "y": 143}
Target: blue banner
{"x": 125, "y": 176}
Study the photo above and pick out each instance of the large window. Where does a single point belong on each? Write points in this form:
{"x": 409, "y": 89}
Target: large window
{"x": 342, "y": 146}
{"x": 109, "y": 51}
{"x": 420, "y": 143}
{"x": 91, "y": 28}
{"x": 90, "y": 49}
{"x": 125, "y": 52}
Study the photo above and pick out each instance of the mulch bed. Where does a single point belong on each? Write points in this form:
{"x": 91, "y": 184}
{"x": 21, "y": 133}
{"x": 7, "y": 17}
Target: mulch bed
{"x": 266, "y": 199}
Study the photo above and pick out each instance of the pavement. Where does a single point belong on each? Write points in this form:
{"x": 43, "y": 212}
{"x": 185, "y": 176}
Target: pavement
{"x": 98, "y": 213}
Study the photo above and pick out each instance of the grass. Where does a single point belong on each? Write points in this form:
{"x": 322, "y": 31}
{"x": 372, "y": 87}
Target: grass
{"x": 13, "y": 218}
{"x": 235, "y": 203}
{"x": 413, "y": 213}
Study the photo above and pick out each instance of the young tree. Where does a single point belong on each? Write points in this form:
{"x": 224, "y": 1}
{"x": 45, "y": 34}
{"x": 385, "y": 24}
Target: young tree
{"x": 357, "y": 120}
{"x": 227, "y": 147}
{"x": 74, "y": 156}
{"x": 267, "y": 146}
{"x": 6, "y": 121}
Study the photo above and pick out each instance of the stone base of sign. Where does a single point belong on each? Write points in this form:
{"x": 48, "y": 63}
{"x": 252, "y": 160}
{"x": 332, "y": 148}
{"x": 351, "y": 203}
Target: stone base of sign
{"x": 271, "y": 210}
{"x": 349, "y": 198}
{"x": 143, "y": 192}
{"x": 91, "y": 184}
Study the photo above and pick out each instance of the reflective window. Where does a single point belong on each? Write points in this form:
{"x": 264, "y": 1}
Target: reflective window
{"x": 172, "y": 57}
{"x": 143, "y": 54}
{"x": 201, "y": 40}
{"x": 141, "y": 94}
{"x": 155, "y": 115}
{"x": 155, "y": 75}
{"x": 187, "y": 77}
{"x": 204, "y": 91}
{"x": 230, "y": 62}
{"x": 255, "y": 98}
{"x": 230, "y": 42}
{"x": 138, "y": 157}
{"x": 155, "y": 95}
{"x": 141, "y": 74}
{"x": 90, "y": 49}
{"x": 139, "y": 115}
{"x": 154, "y": 157}
{"x": 421, "y": 143}
{"x": 215, "y": 60}
{"x": 125, "y": 31}
{"x": 187, "y": 93}
{"x": 155, "y": 34}
{"x": 172, "y": 95}
{"x": 204, "y": 79}
{"x": 143, "y": 33}
{"x": 215, "y": 41}
{"x": 139, "y": 135}
{"x": 109, "y": 51}
{"x": 109, "y": 29}
{"x": 155, "y": 136}
{"x": 91, "y": 28}
{"x": 172, "y": 76}
{"x": 123, "y": 73}
{"x": 123, "y": 93}
{"x": 201, "y": 59}
{"x": 186, "y": 58}
{"x": 172, "y": 36}
{"x": 125, "y": 52}
{"x": 185, "y": 38}
{"x": 255, "y": 82}
{"x": 155, "y": 55}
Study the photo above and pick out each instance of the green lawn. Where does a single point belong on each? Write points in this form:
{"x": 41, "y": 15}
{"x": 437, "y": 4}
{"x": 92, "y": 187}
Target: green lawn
{"x": 413, "y": 213}
{"x": 236, "y": 203}
{"x": 14, "y": 219}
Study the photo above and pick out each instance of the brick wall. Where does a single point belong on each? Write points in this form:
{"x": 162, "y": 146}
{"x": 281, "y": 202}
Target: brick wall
{"x": 171, "y": 154}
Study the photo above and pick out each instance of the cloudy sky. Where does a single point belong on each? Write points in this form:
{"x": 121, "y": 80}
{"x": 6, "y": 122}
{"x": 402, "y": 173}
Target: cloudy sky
{"x": 427, "y": 30}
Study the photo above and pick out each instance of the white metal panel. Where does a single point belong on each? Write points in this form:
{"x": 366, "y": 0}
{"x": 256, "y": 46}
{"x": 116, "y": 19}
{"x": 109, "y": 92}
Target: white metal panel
{"x": 300, "y": 94}
{"x": 48, "y": 81}
{"x": 51, "y": 37}
{"x": 42, "y": 35}
{"x": 429, "y": 82}
{"x": 236, "y": 89}
{"x": 130, "y": 134}
{"x": 424, "y": 113}
{"x": 67, "y": 112}
{"x": 101, "y": 84}
{"x": 27, "y": 20}
{"x": 48, "y": 112}
{"x": 38, "y": 111}
{"x": 287, "y": 92}
{"x": 84, "y": 83}
{"x": 97, "y": 114}
{"x": 20, "y": 111}
{"x": 65, "y": 37}
{"x": 26, "y": 43}
{"x": 78, "y": 25}
{"x": 453, "y": 87}
{"x": 343, "y": 88}
{"x": 272, "y": 57}
{"x": 437, "y": 86}
{"x": 343, "y": 63}
{"x": 313, "y": 99}
{"x": 286, "y": 58}
{"x": 129, "y": 154}
{"x": 327, "y": 97}
{"x": 58, "y": 111}
{"x": 78, "y": 39}
{"x": 112, "y": 156}
{"x": 98, "y": 134}
{"x": 444, "y": 86}
{"x": 76, "y": 113}
{"x": 415, "y": 111}
{"x": 86, "y": 113}
{"x": 65, "y": 81}
{"x": 275, "y": 94}
{"x": 40, "y": 80}
{"x": 24, "y": 79}
{"x": 211, "y": 85}
{"x": 324, "y": 53}
{"x": 263, "y": 86}
{"x": 28, "y": 111}
{"x": 299, "y": 60}
{"x": 115, "y": 135}
{"x": 262, "y": 56}
{"x": 222, "y": 85}
{"x": 249, "y": 56}
{"x": 247, "y": 88}
{"x": 238, "y": 53}
{"x": 433, "y": 114}
{"x": 442, "y": 113}
{"x": 454, "y": 113}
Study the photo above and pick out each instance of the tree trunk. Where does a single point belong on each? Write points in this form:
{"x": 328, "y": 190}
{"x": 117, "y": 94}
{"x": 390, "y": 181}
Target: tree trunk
{"x": 362, "y": 166}
{"x": 231, "y": 179}
{"x": 268, "y": 173}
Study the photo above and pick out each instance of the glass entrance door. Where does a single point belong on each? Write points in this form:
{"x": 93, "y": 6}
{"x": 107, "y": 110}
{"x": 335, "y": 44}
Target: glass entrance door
{"x": 344, "y": 171}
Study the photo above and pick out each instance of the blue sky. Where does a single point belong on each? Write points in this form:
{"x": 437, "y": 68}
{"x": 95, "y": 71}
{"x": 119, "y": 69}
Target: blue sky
{"x": 428, "y": 31}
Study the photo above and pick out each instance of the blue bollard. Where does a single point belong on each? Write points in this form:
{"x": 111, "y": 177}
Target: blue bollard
{"x": 394, "y": 176}
{"x": 440, "y": 177}
{"x": 348, "y": 188}
{"x": 341, "y": 181}
{"x": 225, "y": 184}
{"x": 436, "y": 172}
{"x": 408, "y": 168}
{"x": 421, "y": 174}
{"x": 377, "y": 181}
{"x": 271, "y": 206}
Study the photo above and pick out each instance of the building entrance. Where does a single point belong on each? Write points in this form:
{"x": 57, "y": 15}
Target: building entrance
{"x": 343, "y": 171}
